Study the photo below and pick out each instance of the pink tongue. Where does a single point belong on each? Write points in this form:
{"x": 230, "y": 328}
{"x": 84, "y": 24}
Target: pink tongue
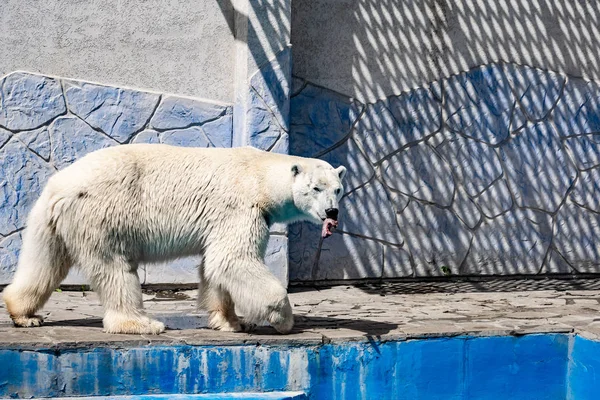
{"x": 329, "y": 226}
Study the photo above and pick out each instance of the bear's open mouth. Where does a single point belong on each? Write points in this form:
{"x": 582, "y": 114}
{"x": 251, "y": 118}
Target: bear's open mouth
{"x": 329, "y": 225}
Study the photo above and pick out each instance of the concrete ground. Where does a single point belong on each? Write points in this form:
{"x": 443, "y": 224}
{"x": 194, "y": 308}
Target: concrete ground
{"x": 342, "y": 313}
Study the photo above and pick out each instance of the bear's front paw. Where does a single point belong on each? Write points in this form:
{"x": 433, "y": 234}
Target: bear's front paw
{"x": 155, "y": 327}
{"x": 28, "y": 322}
{"x": 283, "y": 326}
{"x": 247, "y": 327}
{"x": 283, "y": 319}
{"x": 140, "y": 325}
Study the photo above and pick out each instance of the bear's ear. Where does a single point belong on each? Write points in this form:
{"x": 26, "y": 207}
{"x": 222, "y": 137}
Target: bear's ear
{"x": 296, "y": 169}
{"x": 341, "y": 171}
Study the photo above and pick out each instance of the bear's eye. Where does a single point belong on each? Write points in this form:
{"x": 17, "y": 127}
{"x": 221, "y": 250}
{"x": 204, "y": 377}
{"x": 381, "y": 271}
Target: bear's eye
{"x": 316, "y": 189}
{"x": 338, "y": 191}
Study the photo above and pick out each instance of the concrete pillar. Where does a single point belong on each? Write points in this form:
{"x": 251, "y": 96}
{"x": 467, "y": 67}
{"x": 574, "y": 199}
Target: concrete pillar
{"x": 262, "y": 93}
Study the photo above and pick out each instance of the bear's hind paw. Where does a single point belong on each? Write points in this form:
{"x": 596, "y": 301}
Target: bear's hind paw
{"x": 133, "y": 325}
{"x": 28, "y": 322}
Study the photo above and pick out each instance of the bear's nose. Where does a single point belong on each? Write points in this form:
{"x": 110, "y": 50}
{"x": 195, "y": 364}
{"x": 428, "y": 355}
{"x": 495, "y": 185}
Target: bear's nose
{"x": 332, "y": 213}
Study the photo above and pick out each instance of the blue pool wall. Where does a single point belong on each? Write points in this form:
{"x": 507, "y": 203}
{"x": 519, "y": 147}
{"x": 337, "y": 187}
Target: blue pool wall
{"x": 550, "y": 366}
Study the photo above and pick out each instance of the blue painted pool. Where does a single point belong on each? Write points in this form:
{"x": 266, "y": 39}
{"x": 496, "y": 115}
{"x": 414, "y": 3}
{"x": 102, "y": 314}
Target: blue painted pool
{"x": 532, "y": 367}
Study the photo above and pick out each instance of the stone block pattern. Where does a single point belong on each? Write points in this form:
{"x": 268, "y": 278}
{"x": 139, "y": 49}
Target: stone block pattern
{"x": 267, "y": 107}
{"x": 495, "y": 171}
{"x": 48, "y": 123}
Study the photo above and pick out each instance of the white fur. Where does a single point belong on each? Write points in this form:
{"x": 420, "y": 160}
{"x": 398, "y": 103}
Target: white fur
{"x": 121, "y": 206}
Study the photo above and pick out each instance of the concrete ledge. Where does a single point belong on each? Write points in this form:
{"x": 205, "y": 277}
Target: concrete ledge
{"x": 346, "y": 339}
{"x": 381, "y": 312}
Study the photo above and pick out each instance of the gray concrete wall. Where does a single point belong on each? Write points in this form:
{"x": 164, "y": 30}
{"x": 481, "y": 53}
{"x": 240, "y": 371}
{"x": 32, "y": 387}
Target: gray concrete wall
{"x": 263, "y": 31}
{"x": 371, "y": 49}
{"x": 184, "y": 47}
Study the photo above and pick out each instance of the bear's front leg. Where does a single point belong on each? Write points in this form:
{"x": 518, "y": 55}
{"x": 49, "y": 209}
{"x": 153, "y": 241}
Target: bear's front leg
{"x": 254, "y": 290}
{"x": 120, "y": 291}
{"x": 218, "y": 303}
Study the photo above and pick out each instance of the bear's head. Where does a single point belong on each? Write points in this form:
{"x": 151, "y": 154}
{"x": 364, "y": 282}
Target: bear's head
{"x": 317, "y": 189}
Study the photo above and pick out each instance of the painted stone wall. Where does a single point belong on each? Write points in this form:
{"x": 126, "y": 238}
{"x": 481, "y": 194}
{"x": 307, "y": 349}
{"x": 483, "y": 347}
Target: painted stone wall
{"x": 540, "y": 367}
{"x": 265, "y": 114}
{"x": 494, "y": 171}
{"x": 47, "y": 123}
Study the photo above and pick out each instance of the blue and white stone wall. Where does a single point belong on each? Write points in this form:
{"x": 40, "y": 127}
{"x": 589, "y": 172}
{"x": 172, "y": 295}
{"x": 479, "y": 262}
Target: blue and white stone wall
{"x": 494, "y": 171}
{"x": 541, "y": 367}
{"x": 47, "y": 123}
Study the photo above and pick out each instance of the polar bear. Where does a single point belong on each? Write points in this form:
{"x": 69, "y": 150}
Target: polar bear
{"x": 124, "y": 205}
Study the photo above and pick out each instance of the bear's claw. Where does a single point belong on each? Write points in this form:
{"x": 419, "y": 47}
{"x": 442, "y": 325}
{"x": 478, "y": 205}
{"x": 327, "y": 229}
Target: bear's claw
{"x": 248, "y": 327}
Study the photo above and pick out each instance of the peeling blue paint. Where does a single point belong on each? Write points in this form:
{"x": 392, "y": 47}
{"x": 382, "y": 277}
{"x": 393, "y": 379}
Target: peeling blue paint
{"x": 584, "y": 370}
{"x": 221, "y": 396}
{"x": 546, "y": 367}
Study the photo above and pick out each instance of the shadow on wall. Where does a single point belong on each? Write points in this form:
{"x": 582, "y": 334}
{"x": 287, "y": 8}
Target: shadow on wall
{"x": 263, "y": 72}
{"x": 490, "y": 172}
{"x": 371, "y": 49}
{"x": 268, "y": 30}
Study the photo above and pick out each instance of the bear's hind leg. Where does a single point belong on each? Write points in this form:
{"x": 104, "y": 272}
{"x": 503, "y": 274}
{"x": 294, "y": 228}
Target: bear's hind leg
{"x": 219, "y": 305}
{"x": 120, "y": 291}
{"x": 43, "y": 264}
